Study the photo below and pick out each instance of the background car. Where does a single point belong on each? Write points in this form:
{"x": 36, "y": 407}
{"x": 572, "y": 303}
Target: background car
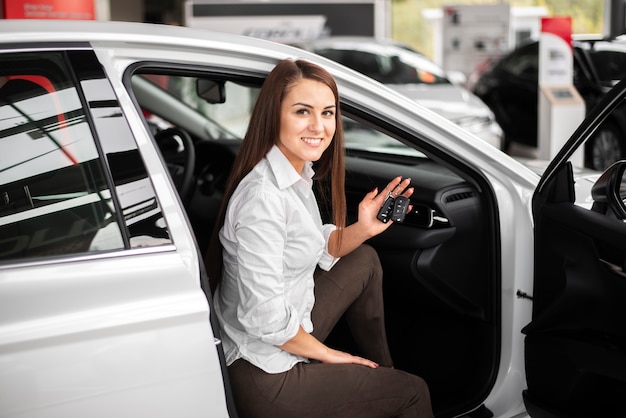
{"x": 510, "y": 89}
{"x": 414, "y": 75}
{"x": 501, "y": 289}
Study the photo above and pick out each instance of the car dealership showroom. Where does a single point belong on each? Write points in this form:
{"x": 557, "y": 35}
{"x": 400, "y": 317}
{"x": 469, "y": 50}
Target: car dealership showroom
{"x": 159, "y": 258}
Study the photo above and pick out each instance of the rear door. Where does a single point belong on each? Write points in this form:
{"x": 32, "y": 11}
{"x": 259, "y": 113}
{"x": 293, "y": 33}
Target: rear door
{"x": 101, "y": 308}
{"x": 575, "y": 346}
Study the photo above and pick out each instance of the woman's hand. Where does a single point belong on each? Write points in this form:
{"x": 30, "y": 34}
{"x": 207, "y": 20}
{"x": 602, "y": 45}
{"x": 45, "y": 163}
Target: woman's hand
{"x": 339, "y": 357}
{"x": 367, "y": 225}
{"x": 305, "y": 345}
{"x": 373, "y": 201}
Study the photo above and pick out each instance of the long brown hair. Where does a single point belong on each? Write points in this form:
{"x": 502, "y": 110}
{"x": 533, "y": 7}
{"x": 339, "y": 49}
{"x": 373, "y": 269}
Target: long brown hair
{"x": 263, "y": 132}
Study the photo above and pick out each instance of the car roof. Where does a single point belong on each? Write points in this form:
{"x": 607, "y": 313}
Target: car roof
{"x": 251, "y": 55}
{"x": 373, "y": 44}
{"x": 73, "y": 31}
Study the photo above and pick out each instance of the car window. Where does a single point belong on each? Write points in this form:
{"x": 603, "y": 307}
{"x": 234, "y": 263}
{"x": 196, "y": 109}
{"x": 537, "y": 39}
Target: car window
{"x": 400, "y": 66}
{"x": 231, "y": 118}
{"x": 610, "y": 65}
{"x": 56, "y": 194}
{"x": 360, "y": 137}
{"x": 224, "y": 121}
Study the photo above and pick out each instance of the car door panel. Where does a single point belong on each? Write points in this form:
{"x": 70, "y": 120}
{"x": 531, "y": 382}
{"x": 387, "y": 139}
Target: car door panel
{"x": 437, "y": 279}
{"x": 575, "y": 346}
{"x": 575, "y": 343}
{"x": 428, "y": 250}
{"x": 99, "y": 284}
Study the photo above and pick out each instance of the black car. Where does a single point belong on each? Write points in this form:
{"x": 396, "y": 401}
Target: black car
{"x": 510, "y": 89}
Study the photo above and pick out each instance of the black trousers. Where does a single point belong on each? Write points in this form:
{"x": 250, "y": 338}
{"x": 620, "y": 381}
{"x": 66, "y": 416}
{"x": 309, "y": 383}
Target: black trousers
{"x": 352, "y": 287}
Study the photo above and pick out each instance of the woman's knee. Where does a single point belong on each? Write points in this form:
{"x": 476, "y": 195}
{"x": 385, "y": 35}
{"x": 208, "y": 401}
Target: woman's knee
{"x": 418, "y": 396}
{"x": 367, "y": 256}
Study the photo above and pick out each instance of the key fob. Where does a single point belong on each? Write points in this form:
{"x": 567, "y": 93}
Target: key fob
{"x": 399, "y": 209}
{"x": 385, "y": 211}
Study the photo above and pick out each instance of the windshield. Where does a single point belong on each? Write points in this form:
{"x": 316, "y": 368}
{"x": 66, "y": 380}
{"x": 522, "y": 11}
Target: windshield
{"x": 184, "y": 89}
{"x": 389, "y": 65}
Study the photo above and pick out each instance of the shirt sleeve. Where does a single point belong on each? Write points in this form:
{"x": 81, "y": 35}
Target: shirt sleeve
{"x": 327, "y": 261}
{"x": 260, "y": 232}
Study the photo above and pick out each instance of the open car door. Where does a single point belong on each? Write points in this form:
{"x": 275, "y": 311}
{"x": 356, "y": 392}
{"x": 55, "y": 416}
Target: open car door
{"x": 575, "y": 346}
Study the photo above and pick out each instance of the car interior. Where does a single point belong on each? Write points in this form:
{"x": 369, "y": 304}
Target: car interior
{"x": 441, "y": 315}
{"x": 575, "y": 345}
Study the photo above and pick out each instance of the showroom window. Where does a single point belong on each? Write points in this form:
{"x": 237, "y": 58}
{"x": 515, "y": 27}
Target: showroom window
{"x": 55, "y": 193}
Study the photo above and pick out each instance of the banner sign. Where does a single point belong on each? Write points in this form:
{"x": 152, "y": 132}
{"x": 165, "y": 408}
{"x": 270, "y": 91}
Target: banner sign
{"x": 49, "y": 9}
{"x": 290, "y": 20}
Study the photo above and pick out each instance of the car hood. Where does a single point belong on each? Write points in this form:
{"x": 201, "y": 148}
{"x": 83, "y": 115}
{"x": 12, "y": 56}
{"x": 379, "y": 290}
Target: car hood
{"x": 451, "y": 101}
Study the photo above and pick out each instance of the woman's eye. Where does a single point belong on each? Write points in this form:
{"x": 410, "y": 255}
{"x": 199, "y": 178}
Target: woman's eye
{"x": 328, "y": 113}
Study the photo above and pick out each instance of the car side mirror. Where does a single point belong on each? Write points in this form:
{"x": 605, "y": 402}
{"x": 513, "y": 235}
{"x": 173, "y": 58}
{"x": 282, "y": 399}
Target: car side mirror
{"x": 609, "y": 191}
{"x": 211, "y": 91}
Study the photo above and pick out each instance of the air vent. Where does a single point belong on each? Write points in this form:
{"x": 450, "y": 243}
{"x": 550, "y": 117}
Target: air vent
{"x": 460, "y": 196}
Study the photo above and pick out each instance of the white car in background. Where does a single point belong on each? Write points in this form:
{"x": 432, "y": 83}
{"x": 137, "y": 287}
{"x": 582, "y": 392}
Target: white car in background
{"x": 414, "y": 75}
{"x": 500, "y": 290}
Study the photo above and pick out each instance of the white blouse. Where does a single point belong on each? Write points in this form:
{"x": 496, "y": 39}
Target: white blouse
{"x": 273, "y": 239}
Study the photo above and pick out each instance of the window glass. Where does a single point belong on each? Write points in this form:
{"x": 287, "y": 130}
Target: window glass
{"x": 359, "y": 137}
{"x": 54, "y": 197}
{"x": 394, "y": 66}
{"x": 226, "y": 120}
{"x": 55, "y": 194}
{"x": 233, "y": 115}
{"x": 610, "y": 65}
{"x": 138, "y": 207}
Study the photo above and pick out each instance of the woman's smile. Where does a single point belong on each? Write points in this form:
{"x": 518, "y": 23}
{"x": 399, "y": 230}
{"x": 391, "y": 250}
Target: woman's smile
{"x": 308, "y": 122}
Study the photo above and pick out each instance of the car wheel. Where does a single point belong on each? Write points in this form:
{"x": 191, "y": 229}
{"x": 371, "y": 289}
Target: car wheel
{"x": 605, "y": 148}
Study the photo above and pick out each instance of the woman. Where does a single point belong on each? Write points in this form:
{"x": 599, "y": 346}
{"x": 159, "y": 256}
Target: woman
{"x": 286, "y": 278}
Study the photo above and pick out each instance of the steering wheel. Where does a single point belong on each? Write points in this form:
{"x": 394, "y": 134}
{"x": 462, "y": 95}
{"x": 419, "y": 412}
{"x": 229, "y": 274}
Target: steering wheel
{"x": 180, "y": 157}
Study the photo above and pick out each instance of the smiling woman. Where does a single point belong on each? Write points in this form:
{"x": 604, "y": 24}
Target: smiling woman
{"x": 287, "y": 278}
{"x": 307, "y": 122}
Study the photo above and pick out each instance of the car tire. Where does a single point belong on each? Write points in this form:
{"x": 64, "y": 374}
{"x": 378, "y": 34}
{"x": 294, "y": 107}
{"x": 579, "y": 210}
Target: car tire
{"x": 605, "y": 147}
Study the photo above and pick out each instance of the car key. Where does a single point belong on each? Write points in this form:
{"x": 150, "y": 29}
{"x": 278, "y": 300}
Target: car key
{"x": 386, "y": 209}
{"x": 399, "y": 208}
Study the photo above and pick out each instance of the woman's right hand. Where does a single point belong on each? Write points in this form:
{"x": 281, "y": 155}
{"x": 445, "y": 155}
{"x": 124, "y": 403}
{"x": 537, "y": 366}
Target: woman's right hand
{"x": 340, "y": 357}
{"x": 305, "y": 345}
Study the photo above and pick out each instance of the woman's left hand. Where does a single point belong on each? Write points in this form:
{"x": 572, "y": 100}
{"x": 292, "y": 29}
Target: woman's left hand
{"x": 368, "y": 225}
{"x": 373, "y": 201}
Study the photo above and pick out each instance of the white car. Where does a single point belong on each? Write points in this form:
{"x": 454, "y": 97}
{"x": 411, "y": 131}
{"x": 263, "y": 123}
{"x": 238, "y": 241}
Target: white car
{"x": 414, "y": 75}
{"x": 501, "y": 291}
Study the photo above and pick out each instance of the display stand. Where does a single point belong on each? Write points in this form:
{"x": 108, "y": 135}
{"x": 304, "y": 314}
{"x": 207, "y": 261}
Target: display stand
{"x": 562, "y": 109}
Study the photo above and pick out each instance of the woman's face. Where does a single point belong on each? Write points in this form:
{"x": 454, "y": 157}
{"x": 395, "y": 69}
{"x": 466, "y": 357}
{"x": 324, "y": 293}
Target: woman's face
{"x": 307, "y": 122}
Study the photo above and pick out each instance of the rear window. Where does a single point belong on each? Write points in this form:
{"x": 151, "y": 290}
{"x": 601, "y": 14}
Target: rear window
{"x": 57, "y": 195}
{"x": 610, "y": 65}
{"x": 399, "y": 67}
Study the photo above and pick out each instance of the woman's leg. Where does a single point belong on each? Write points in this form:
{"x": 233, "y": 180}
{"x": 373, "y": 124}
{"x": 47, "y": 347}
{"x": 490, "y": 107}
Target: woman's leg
{"x": 328, "y": 390}
{"x": 354, "y": 287}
